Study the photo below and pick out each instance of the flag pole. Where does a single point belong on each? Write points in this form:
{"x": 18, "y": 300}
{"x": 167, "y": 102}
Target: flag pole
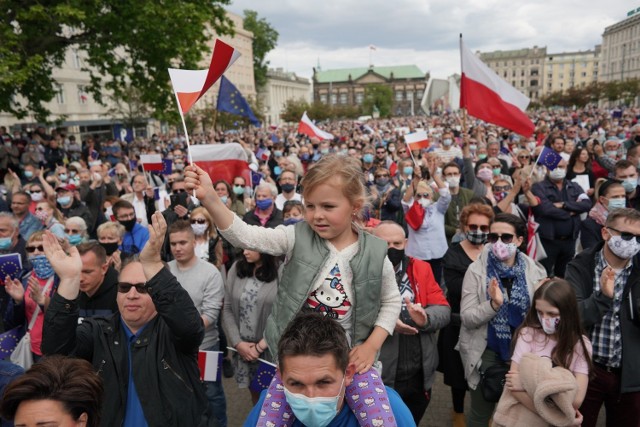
{"x": 535, "y": 164}
{"x": 184, "y": 126}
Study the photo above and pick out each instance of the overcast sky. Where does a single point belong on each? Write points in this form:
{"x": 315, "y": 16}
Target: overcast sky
{"x": 337, "y": 33}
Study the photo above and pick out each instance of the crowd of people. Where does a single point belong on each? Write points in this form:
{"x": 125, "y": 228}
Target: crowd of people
{"x": 473, "y": 257}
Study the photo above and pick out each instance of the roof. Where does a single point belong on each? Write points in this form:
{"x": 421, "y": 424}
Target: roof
{"x": 516, "y": 53}
{"x": 342, "y": 75}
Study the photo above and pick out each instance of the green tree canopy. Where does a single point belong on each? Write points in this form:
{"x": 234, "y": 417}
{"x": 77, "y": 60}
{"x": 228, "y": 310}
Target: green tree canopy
{"x": 379, "y": 96}
{"x": 128, "y": 43}
{"x": 265, "y": 39}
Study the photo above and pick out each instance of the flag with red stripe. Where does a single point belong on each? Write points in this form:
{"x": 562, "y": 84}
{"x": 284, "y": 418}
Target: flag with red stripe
{"x": 417, "y": 140}
{"x": 210, "y": 365}
{"x": 222, "y": 161}
{"x": 151, "y": 162}
{"x": 307, "y": 127}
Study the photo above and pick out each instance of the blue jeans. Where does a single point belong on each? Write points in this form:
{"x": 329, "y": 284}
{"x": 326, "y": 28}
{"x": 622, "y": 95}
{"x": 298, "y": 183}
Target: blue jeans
{"x": 215, "y": 395}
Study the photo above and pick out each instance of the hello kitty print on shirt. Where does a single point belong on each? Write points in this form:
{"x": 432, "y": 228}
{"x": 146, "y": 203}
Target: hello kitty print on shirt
{"x": 330, "y": 298}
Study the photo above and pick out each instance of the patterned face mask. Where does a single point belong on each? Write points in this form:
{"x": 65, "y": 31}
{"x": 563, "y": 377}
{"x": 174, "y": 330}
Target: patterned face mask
{"x": 549, "y": 324}
{"x": 623, "y": 249}
{"x": 476, "y": 237}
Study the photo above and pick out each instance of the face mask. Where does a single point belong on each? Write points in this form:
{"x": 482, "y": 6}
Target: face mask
{"x": 558, "y": 174}
{"x": 313, "y": 411}
{"x": 549, "y": 324}
{"x": 238, "y": 190}
{"x": 287, "y": 188}
{"x": 304, "y": 157}
{"x": 36, "y": 197}
{"x": 392, "y": 149}
{"x": 485, "y": 175}
{"x": 264, "y": 204}
{"x": 42, "y": 215}
{"x": 72, "y": 174}
{"x": 382, "y": 181}
{"x": 482, "y": 156}
{"x": 64, "y": 200}
{"x": 425, "y": 203}
{"x": 110, "y": 248}
{"x": 291, "y": 221}
{"x": 367, "y": 158}
{"x": 74, "y": 239}
{"x": 5, "y": 243}
{"x": 623, "y": 249}
{"x": 62, "y": 177}
{"x": 447, "y": 142}
{"x": 28, "y": 174}
{"x": 499, "y": 195}
{"x": 224, "y": 199}
{"x": 473, "y": 147}
{"x": 630, "y": 184}
{"x": 277, "y": 170}
{"x": 277, "y": 153}
{"x": 324, "y": 151}
{"x": 496, "y": 171}
{"x": 612, "y": 153}
{"x": 395, "y": 255}
{"x": 616, "y": 204}
{"x": 503, "y": 251}
{"x": 178, "y": 166}
{"x": 199, "y": 229}
{"x": 129, "y": 224}
{"x": 41, "y": 266}
{"x": 453, "y": 181}
{"x": 476, "y": 237}
{"x": 408, "y": 171}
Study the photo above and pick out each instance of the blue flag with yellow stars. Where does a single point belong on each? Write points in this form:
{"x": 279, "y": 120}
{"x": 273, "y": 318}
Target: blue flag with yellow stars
{"x": 9, "y": 340}
{"x": 10, "y": 265}
{"x": 263, "y": 377}
{"x": 549, "y": 158}
{"x": 230, "y": 100}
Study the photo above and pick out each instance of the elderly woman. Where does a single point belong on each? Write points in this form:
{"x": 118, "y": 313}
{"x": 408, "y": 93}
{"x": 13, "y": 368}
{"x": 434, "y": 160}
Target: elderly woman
{"x": 265, "y": 213}
{"x": 496, "y": 295}
{"x": 110, "y": 235}
{"x": 425, "y": 217}
{"x": 75, "y": 230}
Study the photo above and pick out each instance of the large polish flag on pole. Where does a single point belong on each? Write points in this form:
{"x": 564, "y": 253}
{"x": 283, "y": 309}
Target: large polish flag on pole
{"x": 488, "y": 97}
{"x": 306, "y": 127}
{"x": 222, "y": 161}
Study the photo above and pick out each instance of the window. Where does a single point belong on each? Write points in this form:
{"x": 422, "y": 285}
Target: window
{"x": 399, "y": 95}
{"x": 343, "y": 98}
{"x": 409, "y": 94}
{"x": 583, "y": 74}
{"x": 521, "y": 73}
{"x": 534, "y": 72}
{"x": 334, "y": 99}
{"x": 419, "y": 94}
{"x": 77, "y": 60}
{"x": 534, "y": 83}
{"x": 82, "y": 95}
{"x": 549, "y": 76}
{"x": 505, "y": 74}
{"x": 323, "y": 98}
{"x": 359, "y": 97}
{"x": 59, "y": 94}
{"x": 513, "y": 73}
{"x": 521, "y": 83}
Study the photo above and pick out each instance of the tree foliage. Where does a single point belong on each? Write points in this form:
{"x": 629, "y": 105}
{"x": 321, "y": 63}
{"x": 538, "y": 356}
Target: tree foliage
{"x": 265, "y": 39}
{"x": 616, "y": 91}
{"x": 294, "y": 108}
{"x": 379, "y": 96}
{"x": 126, "y": 43}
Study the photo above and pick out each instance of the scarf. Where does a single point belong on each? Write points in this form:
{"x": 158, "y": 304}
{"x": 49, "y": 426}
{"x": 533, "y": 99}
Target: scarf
{"x": 512, "y": 313}
{"x": 599, "y": 213}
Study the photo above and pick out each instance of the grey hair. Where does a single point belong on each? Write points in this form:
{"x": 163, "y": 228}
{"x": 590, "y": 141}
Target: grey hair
{"x": 76, "y": 220}
{"x": 14, "y": 221}
{"x": 273, "y": 190}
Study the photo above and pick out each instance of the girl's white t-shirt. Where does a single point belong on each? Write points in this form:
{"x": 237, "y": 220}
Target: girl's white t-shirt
{"x": 537, "y": 342}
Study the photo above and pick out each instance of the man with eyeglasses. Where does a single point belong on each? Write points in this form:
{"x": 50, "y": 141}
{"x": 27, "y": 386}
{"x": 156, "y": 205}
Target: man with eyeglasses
{"x": 606, "y": 279}
{"x": 146, "y": 354}
{"x": 135, "y": 236}
{"x": 288, "y": 182}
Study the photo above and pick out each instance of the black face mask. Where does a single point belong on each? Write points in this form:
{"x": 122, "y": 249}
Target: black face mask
{"x": 129, "y": 224}
{"x": 395, "y": 255}
{"x": 288, "y": 187}
{"x": 110, "y": 248}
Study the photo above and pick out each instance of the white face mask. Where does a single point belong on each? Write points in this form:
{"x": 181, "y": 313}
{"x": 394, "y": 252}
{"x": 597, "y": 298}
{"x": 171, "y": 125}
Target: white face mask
{"x": 623, "y": 249}
{"x": 36, "y": 197}
{"x": 558, "y": 174}
{"x": 199, "y": 229}
{"x": 425, "y": 203}
{"x": 549, "y": 324}
{"x": 453, "y": 181}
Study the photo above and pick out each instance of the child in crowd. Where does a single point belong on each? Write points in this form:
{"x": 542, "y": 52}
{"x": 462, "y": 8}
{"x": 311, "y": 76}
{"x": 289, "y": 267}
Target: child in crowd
{"x": 292, "y": 212}
{"x": 336, "y": 269}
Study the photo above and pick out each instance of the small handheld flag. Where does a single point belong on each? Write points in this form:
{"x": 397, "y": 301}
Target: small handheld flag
{"x": 417, "y": 140}
{"x": 307, "y": 127}
{"x": 549, "y": 158}
{"x": 151, "y": 162}
{"x": 264, "y": 374}
{"x": 167, "y": 166}
{"x": 10, "y": 265}
{"x": 209, "y": 363}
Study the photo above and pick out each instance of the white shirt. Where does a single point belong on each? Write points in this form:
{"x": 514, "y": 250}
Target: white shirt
{"x": 281, "y": 199}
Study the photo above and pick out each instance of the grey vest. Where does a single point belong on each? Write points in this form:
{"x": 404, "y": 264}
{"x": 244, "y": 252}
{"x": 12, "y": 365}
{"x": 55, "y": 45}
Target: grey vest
{"x": 309, "y": 254}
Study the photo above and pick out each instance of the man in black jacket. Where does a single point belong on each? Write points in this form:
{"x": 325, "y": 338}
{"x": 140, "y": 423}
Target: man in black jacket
{"x": 606, "y": 279}
{"x": 147, "y": 354}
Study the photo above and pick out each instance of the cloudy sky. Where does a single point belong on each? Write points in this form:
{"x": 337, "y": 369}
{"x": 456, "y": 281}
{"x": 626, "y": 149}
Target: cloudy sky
{"x": 337, "y": 33}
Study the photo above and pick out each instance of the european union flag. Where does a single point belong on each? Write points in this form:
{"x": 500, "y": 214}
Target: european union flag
{"x": 263, "y": 376}
{"x": 133, "y": 165}
{"x": 167, "y": 166}
{"x": 10, "y": 265}
{"x": 256, "y": 177}
{"x": 9, "y": 340}
{"x": 231, "y": 101}
{"x": 94, "y": 155}
{"x": 505, "y": 150}
{"x": 549, "y": 158}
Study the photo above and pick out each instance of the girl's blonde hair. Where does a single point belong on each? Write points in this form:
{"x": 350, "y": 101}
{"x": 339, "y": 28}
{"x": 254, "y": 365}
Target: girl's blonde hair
{"x": 348, "y": 170}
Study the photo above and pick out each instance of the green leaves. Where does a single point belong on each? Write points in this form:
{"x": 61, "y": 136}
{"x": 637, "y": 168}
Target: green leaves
{"x": 265, "y": 38}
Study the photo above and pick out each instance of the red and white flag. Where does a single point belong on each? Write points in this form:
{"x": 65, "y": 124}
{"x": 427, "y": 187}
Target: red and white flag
{"x": 417, "y": 140}
{"x": 151, "y": 162}
{"x": 222, "y": 161}
{"x": 210, "y": 364}
{"x": 535, "y": 249}
{"x": 306, "y": 127}
{"x": 190, "y": 85}
{"x": 488, "y": 97}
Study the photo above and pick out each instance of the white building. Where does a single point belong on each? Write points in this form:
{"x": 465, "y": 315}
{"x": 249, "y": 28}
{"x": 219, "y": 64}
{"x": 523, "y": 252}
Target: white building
{"x": 281, "y": 87}
{"x": 620, "y": 58}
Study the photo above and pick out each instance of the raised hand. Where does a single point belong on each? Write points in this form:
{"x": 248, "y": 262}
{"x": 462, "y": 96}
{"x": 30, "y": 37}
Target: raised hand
{"x": 416, "y": 312}
{"x": 14, "y": 289}
{"x": 197, "y": 180}
{"x": 495, "y": 293}
{"x": 66, "y": 266}
{"x": 157, "y": 229}
{"x": 607, "y": 281}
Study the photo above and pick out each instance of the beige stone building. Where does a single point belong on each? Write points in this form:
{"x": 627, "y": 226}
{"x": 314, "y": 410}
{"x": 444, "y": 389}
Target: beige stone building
{"x": 347, "y": 86}
{"x": 621, "y": 49}
{"x": 281, "y": 87}
{"x": 570, "y": 69}
{"x": 522, "y": 68}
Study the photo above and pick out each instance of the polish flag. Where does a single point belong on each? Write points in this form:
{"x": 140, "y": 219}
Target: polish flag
{"x": 417, "y": 140}
{"x": 306, "y": 127}
{"x": 151, "y": 162}
{"x": 210, "y": 364}
{"x": 488, "y": 97}
{"x": 222, "y": 161}
{"x": 190, "y": 85}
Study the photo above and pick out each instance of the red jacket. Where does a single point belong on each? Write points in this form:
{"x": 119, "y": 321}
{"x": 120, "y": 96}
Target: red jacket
{"x": 424, "y": 286}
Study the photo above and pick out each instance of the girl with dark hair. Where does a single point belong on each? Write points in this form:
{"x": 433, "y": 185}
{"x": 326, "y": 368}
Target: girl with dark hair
{"x": 552, "y": 328}
{"x": 579, "y": 165}
{"x": 609, "y": 196}
{"x": 250, "y": 290}
{"x": 223, "y": 189}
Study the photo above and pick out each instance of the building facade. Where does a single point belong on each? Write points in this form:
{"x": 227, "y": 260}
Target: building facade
{"x": 281, "y": 87}
{"x": 347, "y": 86}
{"x": 621, "y": 49}
{"x": 522, "y": 68}
{"x": 566, "y": 70}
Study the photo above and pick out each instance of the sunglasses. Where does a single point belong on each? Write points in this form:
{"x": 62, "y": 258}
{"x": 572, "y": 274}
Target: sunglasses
{"x": 179, "y": 190}
{"x": 501, "y": 188}
{"x": 475, "y": 227}
{"x": 199, "y": 221}
{"x": 69, "y": 231}
{"x": 35, "y": 191}
{"x": 626, "y": 235}
{"x": 506, "y": 237}
{"x": 402, "y": 151}
{"x": 124, "y": 287}
{"x": 32, "y": 249}
{"x": 524, "y": 157}
{"x": 423, "y": 196}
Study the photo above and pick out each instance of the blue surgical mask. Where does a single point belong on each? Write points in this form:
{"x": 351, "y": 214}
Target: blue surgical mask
{"x": 28, "y": 174}
{"x": 63, "y": 177}
{"x": 277, "y": 153}
{"x": 5, "y": 243}
{"x": 64, "y": 200}
{"x": 616, "y": 204}
{"x": 314, "y": 411}
{"x": 291, "y": 221}
{"x": 408, "y": 170}
{"x": 41, "y": 266}
{"x": 277, "y": 170}
{"x": 264, "y": 204}
{"x": 224, "y": 199}
{"x": 447, "y": 142}
{"x": 630, "y": 184}
{"x": 74, "y": 239}
{"x": 367, "y": 158}
{"x": 238, "y": 190}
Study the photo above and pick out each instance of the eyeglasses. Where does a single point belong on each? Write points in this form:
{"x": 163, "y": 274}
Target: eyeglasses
{"x": 382, "y": 176}
{"x": 32, "y": 249}
{"x": 179, "y": 190}
{"x": 501, "y": 188}
{"x": 525, "y": 157}
{"x": 626, "y": 235}
{"x": 70, "y": 231}
{"x": 506, "y": 237}
{"x": 475, "y": 227}
{"x": 380, "y": 152}
{"x": 124, "y": 287}
{"x": 126, "y": 217}
{"x": 35, "y": 191}
{"x": 423, "y": 196}
{"x": 199, "y": 221}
